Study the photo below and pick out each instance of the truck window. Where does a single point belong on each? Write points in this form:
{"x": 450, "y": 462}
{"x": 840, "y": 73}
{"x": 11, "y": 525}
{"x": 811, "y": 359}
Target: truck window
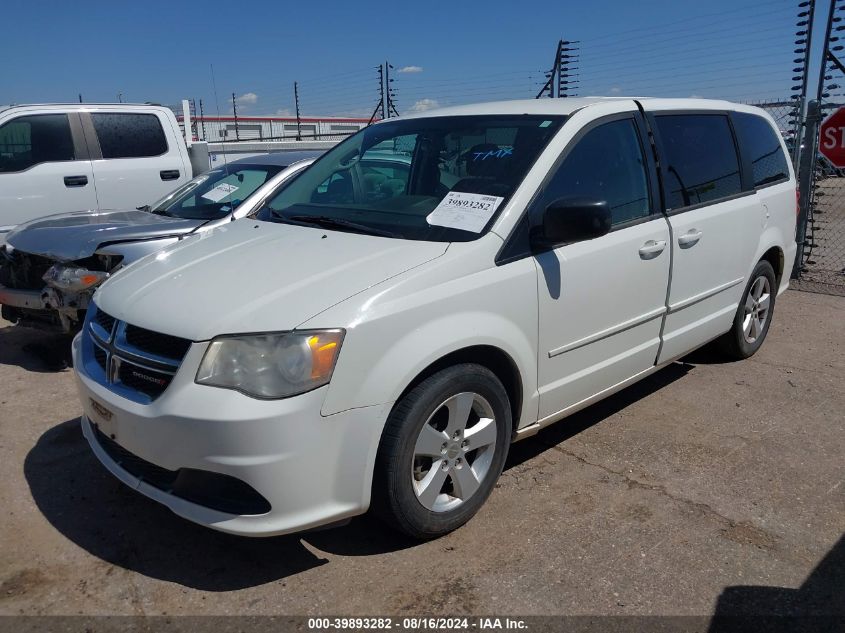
{"x": 759, "y": 140}
{"x": 128, "y": 135}
{"x": 701, "y": 160}
{"x": 30, "y": 140}
{"x": 606, "y": 164}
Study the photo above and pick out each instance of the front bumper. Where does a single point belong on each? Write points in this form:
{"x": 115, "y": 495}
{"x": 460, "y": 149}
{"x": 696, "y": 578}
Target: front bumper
{"x": 46, "y": 308}
{"x": 312, "y": 469}
{"x": 30, "y": 299}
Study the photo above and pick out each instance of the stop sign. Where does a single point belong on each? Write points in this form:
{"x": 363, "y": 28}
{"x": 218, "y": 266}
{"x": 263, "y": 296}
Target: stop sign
{"x": 832, "y": 138}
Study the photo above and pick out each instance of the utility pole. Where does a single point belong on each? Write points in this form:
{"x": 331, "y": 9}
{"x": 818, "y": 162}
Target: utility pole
{"x": 805, "y": 180}
{"x": 194, "y": 132}
{"x": 298, "y": 120}
{"x": 807, "y": 10}
{"x": 80, "y": 97}
{"x": 389, "y": 92}
{"x": 380, "y": 106}
{"x": 560, "y": 75}
{"x": 202, "y": 122}
{"x": 235, "y": 112}
{"x": 120, "y": 97}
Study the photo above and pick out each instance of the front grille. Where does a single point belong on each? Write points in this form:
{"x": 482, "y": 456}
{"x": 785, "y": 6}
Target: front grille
{"x": 136, "y": 363}
{"x": 223, "y": 493}
{"x": 101, "y": 357}
{"x": 143, "y": 379}
{"x": 23, "y": 271}
{"x": 156, "y": 343}
{"x": 104, "y": 320}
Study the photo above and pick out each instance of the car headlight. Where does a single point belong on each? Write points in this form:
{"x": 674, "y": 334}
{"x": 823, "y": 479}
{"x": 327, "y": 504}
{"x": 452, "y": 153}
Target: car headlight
{"x": 271, "y": 365}
{"x": 73, "y": 278}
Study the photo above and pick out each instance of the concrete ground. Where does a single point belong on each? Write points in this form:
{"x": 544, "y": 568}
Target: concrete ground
{"x": 708, "y": 488}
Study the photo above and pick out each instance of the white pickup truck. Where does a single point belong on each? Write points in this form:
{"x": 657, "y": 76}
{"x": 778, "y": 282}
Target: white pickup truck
{"x": 74, "y": 157}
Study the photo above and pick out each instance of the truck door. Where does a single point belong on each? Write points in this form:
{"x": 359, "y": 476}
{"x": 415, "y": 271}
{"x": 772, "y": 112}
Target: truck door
{"x": 136, "y": 158}
{"x": 44, "y": 167}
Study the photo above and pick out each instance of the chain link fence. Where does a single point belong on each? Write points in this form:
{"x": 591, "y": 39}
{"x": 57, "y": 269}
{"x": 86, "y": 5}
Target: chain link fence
{"x": 822, "y": 268}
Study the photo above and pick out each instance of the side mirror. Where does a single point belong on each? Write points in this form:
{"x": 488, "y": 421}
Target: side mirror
{"x": 568, "y": 220}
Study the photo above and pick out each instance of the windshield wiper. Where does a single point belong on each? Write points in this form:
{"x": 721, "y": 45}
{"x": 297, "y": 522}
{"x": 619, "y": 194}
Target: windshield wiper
{"x": 328, "y": 222}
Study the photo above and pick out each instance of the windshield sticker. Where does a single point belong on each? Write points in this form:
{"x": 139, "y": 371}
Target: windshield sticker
{"x": 465, "y": 211}
{"x": 494, "y": 153}
{"x": 219, "y": 192}
{"x": 545, "y": 124}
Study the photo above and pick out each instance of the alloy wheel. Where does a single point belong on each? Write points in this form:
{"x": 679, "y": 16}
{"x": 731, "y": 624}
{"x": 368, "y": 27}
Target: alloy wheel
{"x": 453, "y": 452}
{"x": 756, "y": 309}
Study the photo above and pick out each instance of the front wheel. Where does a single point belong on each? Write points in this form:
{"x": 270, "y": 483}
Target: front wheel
{"x": 754, "y": 315}
{"x": 442, "y": 451}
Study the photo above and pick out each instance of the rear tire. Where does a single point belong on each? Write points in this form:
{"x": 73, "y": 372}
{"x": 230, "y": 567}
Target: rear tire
{"x": 442, "y": 451}
{"x": 753, "y": 316}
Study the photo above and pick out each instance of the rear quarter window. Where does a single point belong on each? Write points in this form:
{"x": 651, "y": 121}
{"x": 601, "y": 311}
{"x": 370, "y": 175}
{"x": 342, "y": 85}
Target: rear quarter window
{"x": 128, "y": 135}
{"x": 760, "y": 141}
{"x": 701, "y": 160}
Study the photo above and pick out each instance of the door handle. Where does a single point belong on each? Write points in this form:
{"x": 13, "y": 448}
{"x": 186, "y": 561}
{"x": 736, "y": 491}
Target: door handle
{"x": 652, "y": 249}
{"x": 169, "y": 174}
{"x": 690, "y": 238}
{"x": 76, "y": 181}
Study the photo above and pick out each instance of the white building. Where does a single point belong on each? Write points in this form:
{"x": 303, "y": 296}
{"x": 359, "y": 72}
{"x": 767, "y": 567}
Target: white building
{"x": 261, "y": 128}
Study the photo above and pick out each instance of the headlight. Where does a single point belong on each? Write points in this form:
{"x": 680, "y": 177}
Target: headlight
{"x": 271, "y": 365}
{"x": 73, "y": 278}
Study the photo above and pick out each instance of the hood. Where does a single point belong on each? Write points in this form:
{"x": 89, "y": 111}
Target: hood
{"x": 250, "y": 276}
{"x": 70, "y": 236}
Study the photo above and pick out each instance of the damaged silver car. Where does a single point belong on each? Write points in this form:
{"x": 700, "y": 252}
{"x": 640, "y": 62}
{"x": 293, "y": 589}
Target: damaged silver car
{"x": 49, "y": 268}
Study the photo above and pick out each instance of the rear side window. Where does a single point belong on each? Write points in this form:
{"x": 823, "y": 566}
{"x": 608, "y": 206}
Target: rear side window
{"x": 606, "y": 164}
{"x": 700, "y": 156}
{"x": 30, "y": 140}
{"x": 760, "y": 141}
{"x": 125, "y": 135}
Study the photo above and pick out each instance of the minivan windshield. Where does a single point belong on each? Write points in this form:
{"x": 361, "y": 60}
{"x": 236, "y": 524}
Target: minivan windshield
{"x": 215, "y": 193}
{"x": 434, "y": 178}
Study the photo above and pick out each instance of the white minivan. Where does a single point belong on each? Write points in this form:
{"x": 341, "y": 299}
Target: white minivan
{"x": 380, "y": 333}
{"x": 56, "y": 158}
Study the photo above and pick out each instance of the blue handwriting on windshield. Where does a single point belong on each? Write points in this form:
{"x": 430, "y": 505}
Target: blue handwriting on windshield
{"x": 497, "y": 153}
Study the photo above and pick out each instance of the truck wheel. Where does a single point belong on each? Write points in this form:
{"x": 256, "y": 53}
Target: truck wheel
{"x": 754, "y": 315}
{"x": 442, "y": 451}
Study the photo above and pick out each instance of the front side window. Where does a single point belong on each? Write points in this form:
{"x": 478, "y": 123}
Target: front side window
{"x": 701, "y": 160}
{"x": 126, "y": 135}
{"x": 30, "y": 140}
{"x": 388, "y": 178}
{"x": 760, "y": 141}
{"x": 607, "y": 164}
{"x": 215, "y": 193}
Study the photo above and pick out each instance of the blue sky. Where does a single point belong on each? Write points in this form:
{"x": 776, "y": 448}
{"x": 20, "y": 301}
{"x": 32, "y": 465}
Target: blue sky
{"x": 461, "y": 51}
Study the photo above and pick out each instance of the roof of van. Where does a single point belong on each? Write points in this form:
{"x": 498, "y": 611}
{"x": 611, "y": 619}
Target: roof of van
{"x": 571, "y": 104}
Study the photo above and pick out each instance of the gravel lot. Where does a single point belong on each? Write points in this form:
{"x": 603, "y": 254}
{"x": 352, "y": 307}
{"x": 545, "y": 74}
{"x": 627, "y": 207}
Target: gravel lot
{"x": 708, "y": 488}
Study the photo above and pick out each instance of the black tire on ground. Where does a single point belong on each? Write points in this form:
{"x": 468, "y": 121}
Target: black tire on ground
{"x": 733, "y": 343}
{"x": 394, "y": 498}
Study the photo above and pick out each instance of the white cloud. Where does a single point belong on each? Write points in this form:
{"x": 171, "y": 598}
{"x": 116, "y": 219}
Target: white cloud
{"x": 283, "y": 112}
{"x": 411, "y": 69}
{"x": 695, "y": 97}
{"x": 615, "y": 90}
{"x": 247, "y": 98}
{"x": 425, "y": 104}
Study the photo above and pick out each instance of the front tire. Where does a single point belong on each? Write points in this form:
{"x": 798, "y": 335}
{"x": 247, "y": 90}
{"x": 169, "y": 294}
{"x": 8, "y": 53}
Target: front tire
{"x": 754, "y": 314}
{"x": 442, "y": 451}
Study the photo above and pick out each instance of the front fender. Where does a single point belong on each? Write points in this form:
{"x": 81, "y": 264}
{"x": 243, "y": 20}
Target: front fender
{"x": 394, "y": 335}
